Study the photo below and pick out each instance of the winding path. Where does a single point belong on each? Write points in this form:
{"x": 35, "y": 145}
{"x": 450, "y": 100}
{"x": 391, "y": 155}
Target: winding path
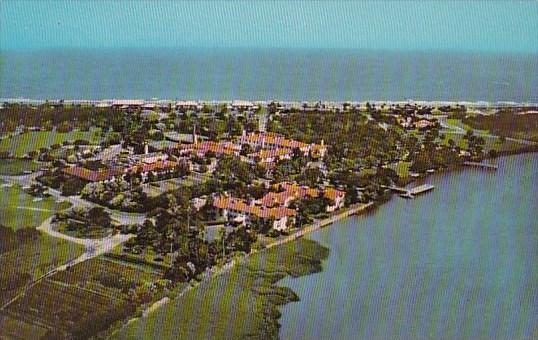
{"x": 93, "y": 247}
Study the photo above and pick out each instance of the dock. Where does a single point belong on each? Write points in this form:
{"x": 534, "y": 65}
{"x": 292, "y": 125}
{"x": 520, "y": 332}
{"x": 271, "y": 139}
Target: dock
{"x": 411, "y": 193}
{"x": 485, "y": 166}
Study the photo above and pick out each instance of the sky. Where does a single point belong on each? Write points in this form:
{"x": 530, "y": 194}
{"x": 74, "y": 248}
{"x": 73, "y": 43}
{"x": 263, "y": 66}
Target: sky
{"x": 494, "y": 26}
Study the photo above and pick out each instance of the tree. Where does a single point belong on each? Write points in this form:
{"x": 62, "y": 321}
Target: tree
{"x": 469, "y": 134}
{"x": 352, "y": 196}
{"x": 63, "y": 127}
{"x": 311, "y": 177}
{"x": 98, "y": 216}
{"x": 72, "y": 186}
{"x": 152, "y": 177}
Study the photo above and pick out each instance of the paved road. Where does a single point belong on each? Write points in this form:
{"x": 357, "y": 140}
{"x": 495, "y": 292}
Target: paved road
{"x": 23, "y": 180}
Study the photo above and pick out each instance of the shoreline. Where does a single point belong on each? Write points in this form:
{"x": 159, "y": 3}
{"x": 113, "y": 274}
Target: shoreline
{"x": 441, "y": 177}
{"x": 214, "y": 272}
{"x": 355, "y": 209}
{"x": 411, "y": 101}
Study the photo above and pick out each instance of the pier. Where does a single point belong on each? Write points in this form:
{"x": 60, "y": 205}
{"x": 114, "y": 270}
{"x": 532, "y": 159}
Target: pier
{"x": 485, "y": 166}
{"x": 411, "y": 193}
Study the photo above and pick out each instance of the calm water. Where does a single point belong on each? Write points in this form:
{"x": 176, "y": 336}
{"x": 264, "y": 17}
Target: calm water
{"x": 457, "y": 263}
{"x": 286, "y": 74}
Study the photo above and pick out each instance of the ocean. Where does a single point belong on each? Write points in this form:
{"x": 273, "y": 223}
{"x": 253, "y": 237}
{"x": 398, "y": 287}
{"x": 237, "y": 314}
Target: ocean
{"x": 266, "y": 74}
{"x": 456, "y": 263}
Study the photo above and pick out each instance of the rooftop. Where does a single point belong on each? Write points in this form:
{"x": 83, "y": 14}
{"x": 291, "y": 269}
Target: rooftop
{"x": 243, "y": 206}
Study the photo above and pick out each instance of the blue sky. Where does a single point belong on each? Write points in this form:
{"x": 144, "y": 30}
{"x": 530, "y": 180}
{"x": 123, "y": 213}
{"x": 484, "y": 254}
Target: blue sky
{"x": 494, "y": 26}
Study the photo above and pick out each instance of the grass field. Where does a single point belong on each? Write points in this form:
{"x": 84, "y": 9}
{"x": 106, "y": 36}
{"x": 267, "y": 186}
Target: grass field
{"x": 106, "y": 277}
{"x": 491, "y": 142}
{"x": 13, "y": 167}
{"x": 34, "y": 140}
{"x": 68, "y": 311}
{"x": 242, "y": 303}
{"x": 77, "y": 303}
{"x": 18, "y": 210}
{"x": 32, "y": 259}
{"x": 458, "y": 123}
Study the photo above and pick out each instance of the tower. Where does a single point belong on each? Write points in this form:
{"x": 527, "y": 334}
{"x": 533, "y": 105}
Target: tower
{"x": 194, "y": 136}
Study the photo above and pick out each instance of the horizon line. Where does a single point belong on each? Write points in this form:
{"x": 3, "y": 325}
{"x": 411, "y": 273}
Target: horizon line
{"x": 276, "y": 48}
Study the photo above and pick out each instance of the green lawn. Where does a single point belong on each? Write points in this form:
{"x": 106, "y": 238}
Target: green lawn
{"x": 242, "y": 303}
{"x": 12, "y": 167}
{"x": 459, "y": 123}
{"x": 33, "y": 141}
{"x": 18, "y": 210}
{"x": 491, "y": 142}
{"x": 401, "y": 168}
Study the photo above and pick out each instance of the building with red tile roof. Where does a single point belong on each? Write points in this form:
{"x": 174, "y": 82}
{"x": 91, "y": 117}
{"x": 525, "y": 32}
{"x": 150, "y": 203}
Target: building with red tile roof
{"x": 270, "y": 156}
{"x": 288, "y": 192}
{"x": 236, "y": 208}
{"x": 113, "y": 173}
{"x": 94, "y": 175}
{"x": 155, "y": 166}
{"x": 219, "y": 148}
{"x": 269, "y": 140}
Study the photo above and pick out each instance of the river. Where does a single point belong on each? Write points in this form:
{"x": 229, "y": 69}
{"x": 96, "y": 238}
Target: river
{"x": 456, "y": 263}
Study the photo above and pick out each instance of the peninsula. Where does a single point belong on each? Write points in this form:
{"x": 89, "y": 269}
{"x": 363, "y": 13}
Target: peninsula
{"x": 114, "y": 206}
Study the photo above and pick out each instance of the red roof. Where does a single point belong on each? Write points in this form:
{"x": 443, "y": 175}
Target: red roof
{"x": 93, "y": 175}
{"x": 219, "y": 148}
{"x": 273, "y": 139}
{"x": 298, "y": 192}
{"x": 241, "y": 205}
{"x": 159, "y": 165}
{"x": 103, "y": 175}
{"x": 264, "y": 154}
